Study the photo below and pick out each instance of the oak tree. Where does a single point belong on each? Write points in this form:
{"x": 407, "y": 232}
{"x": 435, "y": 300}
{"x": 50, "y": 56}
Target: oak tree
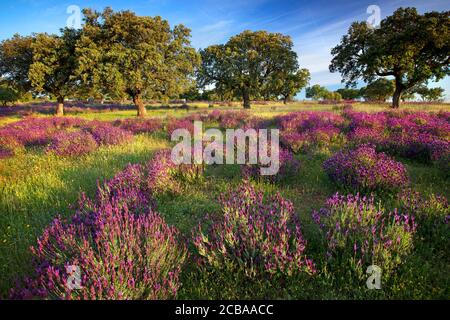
{"x": 252, "y": 64}
{"x": 54, "y": 67}
{"x": 408, "y": 46}
{"x": 16, "y": 57}
{"x": 142, "y": 57}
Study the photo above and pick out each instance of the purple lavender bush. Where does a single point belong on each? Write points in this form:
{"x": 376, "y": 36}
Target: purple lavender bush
{"x": 360, "y": 233}
{"x": 295, "y": 141}
{"x": 106, "y": 134}
{"x": 251, "y": 243}
{"x": 120, "y": 255}
{"x": 39, "y": 131}
{"x": 122, "y": 247}
{"x": 230, "y": 119}
{"x": 174, "y": 124}
{"x": 72, "y": 143}
{"x": 303, "y": 131}
{"x": 9, "y": 146}
{"x": 289, "y": 167}
{"x": 432, "y": 214}
{"x": 137, "y": 126}
{"x": 128, "y": 187}
{"x": 364, "y": 169}
{"x": 415, "y": 135}
{"x": 161, "y": 174}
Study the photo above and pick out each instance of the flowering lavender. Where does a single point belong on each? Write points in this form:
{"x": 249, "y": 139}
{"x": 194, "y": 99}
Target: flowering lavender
{"x": 106, "y": 134}
{"x": 289, "y": 166}
{"x": 421, "y": 146}
{"x": 304, "y": 121}
{"x": 121, "y": 256}
{"x": 295, "y": 141}
{"x": 128, "y": 187}
{"x": 161, "y": 171}
{"x": 230, "y": 119}
{"x": 366, "y": 120}
{"x": 364, "y": 135}
{"x": 303, "y": 130}
{"x": 9, "y": 146}
{"x": 257, "y": 238}
{"x": 123, "y": 248}
{"x": 432, "y": 214}
{"x": 174, "y": 124}
{"x": 38, "y": 131}
{"x": 70, "y": 144}
{"x": 359, "y": 234}
{"x": 419, "y": 135}
{"x": 137, "y": 126}
{"x": 366, "y": 170}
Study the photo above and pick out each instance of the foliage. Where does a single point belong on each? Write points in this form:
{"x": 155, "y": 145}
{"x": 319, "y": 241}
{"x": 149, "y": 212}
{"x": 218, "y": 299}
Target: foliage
{"x": 378, "y": 90}
{"x": 360, "y": 233}
{"x": 252, "y": 63}
{"x": 71, "y": 144}
{"x": 121, "y": 253}
{"x": 409, "y": 46}
{"x": 8, "y": 95}
{"x": 142, "y": 57}
{"x": 289, "y": 85}
{"x": 316, "y": 92}
{"x": 54, "y": 66}
{"x": 252, "y": 240}
{"x": 349, "y": 93}
{"x": 16, "y": 57}
{"x": 366, "y": 170}
{"x": 430, "y": 94}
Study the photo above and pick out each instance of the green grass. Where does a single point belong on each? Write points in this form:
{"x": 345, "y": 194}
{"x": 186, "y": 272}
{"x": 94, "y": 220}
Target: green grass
{"x": 267, "y": 110}
{"x": 35, "y": 187}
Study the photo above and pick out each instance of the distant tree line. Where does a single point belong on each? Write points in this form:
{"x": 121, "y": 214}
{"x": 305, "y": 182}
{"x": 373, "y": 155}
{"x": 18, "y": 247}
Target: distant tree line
{"x": 379, "y": 90}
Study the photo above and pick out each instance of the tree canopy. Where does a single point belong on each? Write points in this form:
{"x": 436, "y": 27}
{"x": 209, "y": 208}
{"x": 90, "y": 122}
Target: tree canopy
{"x": 408, "y": 46}
{"x": 349, "y": 93}
{"x": 54, "y": 66}
{"x": 251, "y": 64}
{"x": 430, "y": 94}
{"x": 142, "y": 57}
{"x": 378, "y": 90}
{"x": 16, "y": 57}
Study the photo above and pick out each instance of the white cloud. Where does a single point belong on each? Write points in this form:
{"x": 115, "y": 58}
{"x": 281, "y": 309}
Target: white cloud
{"x": 218, "y": 26}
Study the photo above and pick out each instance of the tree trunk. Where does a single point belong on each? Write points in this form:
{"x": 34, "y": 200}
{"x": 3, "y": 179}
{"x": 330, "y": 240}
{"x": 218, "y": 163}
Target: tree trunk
{"x": 142, "y": 111}
{"x": 60, "y": 107}
{"x": 285, "y": 100}
{"x": 399, "y": 89}
{"x": 246, "y": 97}
{"x": 396, "y": 98}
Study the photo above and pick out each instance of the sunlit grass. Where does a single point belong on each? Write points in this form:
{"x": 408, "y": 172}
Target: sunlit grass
{"x": 35, "y": 187}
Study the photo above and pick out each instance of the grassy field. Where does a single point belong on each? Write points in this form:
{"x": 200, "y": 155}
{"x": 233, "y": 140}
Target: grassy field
{"x": 36, "y": 187}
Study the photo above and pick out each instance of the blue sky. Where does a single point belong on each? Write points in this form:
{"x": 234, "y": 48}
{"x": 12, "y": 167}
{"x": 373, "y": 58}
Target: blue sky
{"x": 314, "y": 25}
